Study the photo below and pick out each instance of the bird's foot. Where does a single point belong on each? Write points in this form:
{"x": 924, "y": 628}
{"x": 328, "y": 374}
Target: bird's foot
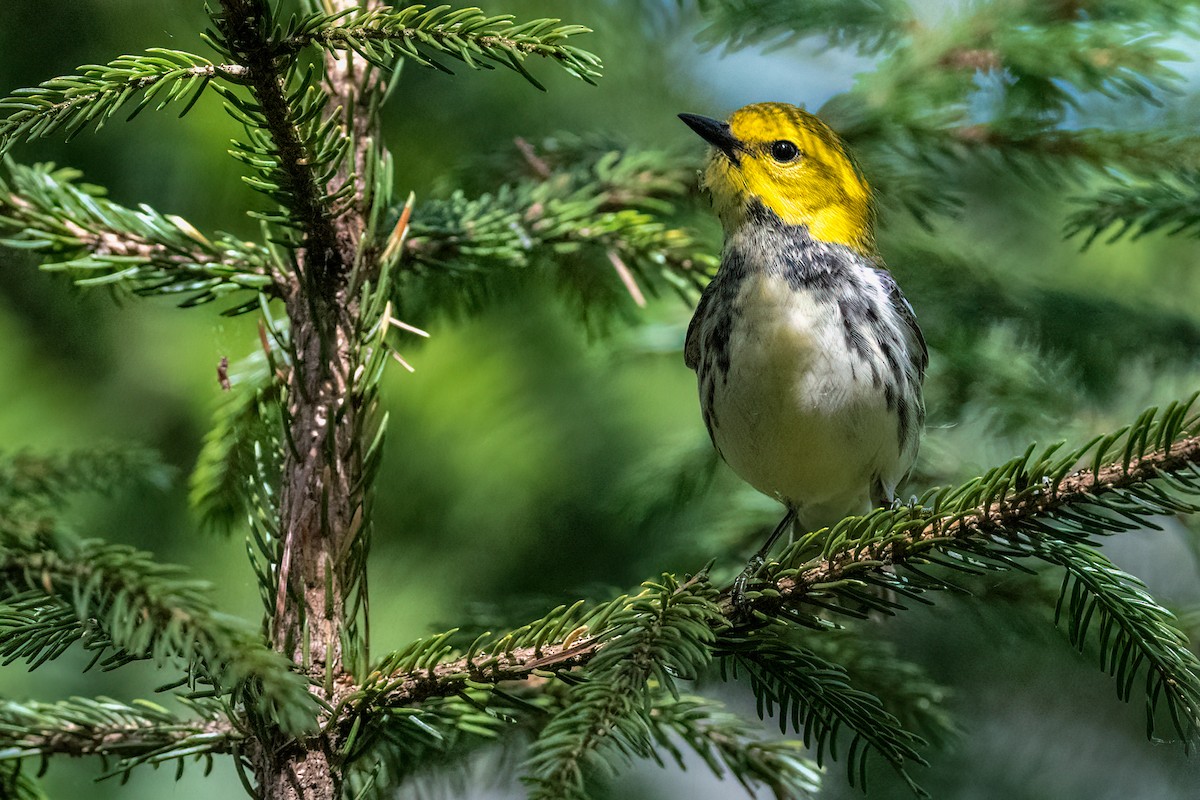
{"x": 740, "y": 584}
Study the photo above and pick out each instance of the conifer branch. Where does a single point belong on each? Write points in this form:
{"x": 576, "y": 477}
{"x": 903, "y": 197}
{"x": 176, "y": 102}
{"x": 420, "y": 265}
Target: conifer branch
{"x": 998, "y": 517}
{"x": 1029, "y": 508}
{"x": 123, "y": 607}
{"x": 728, "y": 744}
{"x": 137, "y": 733}
{"x": 35, "y": 488}
{"x": 596, "y": 201}
{"x": 72, "y": 102}
{"x": 1170, "y": 204}
{"x": 870, "y": 25}
{"x": 954, "y": 277}
{"x": 816, "y": 699}
{"x": 392, "y": 747}
{"x": 314, "y": 146}
{"x": 75, "y": 229}
{"x": 239, "y": 464}
{"x": 16, "y": 783}
{"x": 873, "y": 666}
{"x": 384, "y": 35}
{"x": 1137, "y": 152}
{"x": 29, "y": 478}
{"x": 664, "y": 634}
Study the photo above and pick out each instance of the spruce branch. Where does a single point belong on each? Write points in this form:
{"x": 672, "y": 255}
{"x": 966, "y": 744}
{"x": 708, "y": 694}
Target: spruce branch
{"x": 1115, "y": 58}
{"x": 73, "y": 228}
{"x": 313, "y": 147}
{"x": 124, "y": 607}
{"x": 34, "y": 488}
{"x": 1138, "y": 152}
{"x": 729, "y": 745}
{"x": 132, "y": 733}
{"x": 872, "y": 664}
{"x": 1038, "y": 506}
{"x": 1046, "y": 314}
{"x": 911, "y": 161}
{"x": 1033, "y": 507}
{"x": 72, "y": 102}
{"x": 930, "y": 145}
{"x": 1170, "y": 204}
{"x": 868, "y": 25}
{"x": 604, "y": 205}
{"x": 393, "y": 746}
{"x": 1096, "y": 593}
{"x": 1022, "y": 498}
{"x": 384, "y": 35}
{"x": 45, "y": 481}
{"x": 16, "y": 784}
{"x": 661, "y": 635}
{"x": 816, "y": 698}
{"x": 238, "y": 469}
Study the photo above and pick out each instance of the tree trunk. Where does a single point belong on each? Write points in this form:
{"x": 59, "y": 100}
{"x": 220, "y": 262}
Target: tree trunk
{"x": 320, "y": 513}
{"x": 322, "y": 497}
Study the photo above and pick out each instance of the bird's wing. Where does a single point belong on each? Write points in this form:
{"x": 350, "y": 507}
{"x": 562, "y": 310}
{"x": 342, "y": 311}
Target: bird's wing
{"x": 917, "y": 349}
{"x": 691, "y": 346}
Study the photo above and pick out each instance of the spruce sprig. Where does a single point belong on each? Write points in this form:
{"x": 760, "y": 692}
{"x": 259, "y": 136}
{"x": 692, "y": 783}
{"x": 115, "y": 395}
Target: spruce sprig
{"x": 664, "y": 634}
{"x": 729, "y": 745}
{"x": 125, "y": 607}
{"x": 71, "y": 103}
{"x": 1040, "y": 507}
{"x": 816, "y": 698}
{"x": 126, "y": 734}
{"x": 75, "y": 229}
{"x": 867, "y": 25}
{"x": 1170, "y": 204}
{"x": 421, "y": 33}
{"x": 608, "y": 207}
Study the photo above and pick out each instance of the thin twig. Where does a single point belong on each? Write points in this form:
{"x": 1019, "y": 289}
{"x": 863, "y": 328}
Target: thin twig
{"x": 626, "y": 276}
{"x": 535, "y": 162}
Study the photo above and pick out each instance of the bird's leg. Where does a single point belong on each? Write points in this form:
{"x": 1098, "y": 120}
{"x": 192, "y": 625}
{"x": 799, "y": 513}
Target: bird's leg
{"x": 758, "y": 560}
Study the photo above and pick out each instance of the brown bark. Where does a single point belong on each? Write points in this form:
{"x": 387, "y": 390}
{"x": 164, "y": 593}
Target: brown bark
{"x": 319, "y": 509}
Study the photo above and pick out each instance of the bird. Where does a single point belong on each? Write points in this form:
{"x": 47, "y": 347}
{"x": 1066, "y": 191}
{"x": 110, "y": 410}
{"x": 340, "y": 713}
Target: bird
{"x": 809, "y": 360}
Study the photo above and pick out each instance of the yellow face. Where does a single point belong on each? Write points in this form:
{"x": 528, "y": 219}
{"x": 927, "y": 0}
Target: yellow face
{"x": 794, "y": 164}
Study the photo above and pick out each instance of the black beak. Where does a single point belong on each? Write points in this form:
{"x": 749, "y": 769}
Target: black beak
{"x": 716, "y": 133}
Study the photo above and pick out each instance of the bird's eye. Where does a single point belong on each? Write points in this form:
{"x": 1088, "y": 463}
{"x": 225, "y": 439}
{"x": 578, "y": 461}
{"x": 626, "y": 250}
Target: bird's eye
{"x": 784, "y": 151}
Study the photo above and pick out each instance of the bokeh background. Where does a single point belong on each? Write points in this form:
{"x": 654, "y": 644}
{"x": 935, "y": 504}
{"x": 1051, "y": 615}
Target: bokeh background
{"x": 525, "y": 451}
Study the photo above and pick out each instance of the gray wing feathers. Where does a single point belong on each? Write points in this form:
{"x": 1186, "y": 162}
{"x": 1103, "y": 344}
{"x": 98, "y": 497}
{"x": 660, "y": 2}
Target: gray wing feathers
{"x": 917, "y": 350}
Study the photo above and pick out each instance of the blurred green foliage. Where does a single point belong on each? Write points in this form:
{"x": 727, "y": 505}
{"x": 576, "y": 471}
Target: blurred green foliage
{"x": 524, "y": 451}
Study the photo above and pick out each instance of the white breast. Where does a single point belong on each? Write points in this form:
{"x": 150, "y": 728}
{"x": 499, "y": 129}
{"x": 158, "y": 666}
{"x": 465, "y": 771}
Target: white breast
{"x": 797, "y": 418}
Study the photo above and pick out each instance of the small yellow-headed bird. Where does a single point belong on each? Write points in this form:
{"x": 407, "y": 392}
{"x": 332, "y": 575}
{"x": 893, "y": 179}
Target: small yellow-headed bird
{"x": 808, "y": 358}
